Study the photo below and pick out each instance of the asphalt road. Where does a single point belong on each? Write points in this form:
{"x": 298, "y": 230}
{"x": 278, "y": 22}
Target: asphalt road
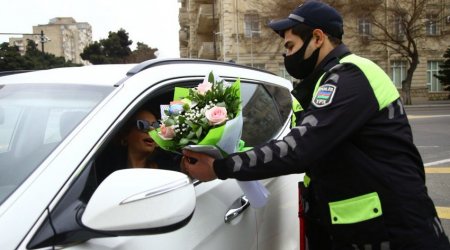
{"x": 431, "y": 131}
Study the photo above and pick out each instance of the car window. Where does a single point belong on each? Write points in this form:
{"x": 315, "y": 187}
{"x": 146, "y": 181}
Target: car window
{"x": 263, "y": 115}
{"x": 9, "y": 122}
{"x": 263, "y": 118}
{"x": 282, "y": 98}
{"x": 35, "y": 119}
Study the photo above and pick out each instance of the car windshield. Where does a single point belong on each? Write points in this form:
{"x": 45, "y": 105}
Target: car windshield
{"x": 34, "y": 120}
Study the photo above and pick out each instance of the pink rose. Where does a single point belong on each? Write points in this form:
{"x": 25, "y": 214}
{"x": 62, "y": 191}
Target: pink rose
{"x": 216, "y": 115}
{"x": 204, "y": 87}
{"x": 166, "y": 133}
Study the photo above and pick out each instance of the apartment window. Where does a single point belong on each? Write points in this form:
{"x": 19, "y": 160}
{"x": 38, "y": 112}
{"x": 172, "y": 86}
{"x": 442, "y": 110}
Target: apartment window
{"x": 364, "y": 27}
{"x": 432, "y": 82}
{"x": 432, "y": 25}
{"x": 251, "y": 25}
{"x": 399, "y": 27}
{"x": 398, "y": 72}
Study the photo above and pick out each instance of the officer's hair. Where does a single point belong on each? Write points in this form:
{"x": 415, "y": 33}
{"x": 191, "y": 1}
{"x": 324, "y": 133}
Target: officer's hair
{"x": 303, "y": 31}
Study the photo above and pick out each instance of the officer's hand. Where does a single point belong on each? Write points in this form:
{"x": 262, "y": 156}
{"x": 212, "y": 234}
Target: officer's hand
{"x": 198, "y": 165}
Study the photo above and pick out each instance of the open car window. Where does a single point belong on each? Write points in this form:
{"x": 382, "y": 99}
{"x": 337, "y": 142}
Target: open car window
{"x": 264, "y": 116}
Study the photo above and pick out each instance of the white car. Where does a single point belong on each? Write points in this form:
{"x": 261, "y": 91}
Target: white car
{"x": 54, "y": 124}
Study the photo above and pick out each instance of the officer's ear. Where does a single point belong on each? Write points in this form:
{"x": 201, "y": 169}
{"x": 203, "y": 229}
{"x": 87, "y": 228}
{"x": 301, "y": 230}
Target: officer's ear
{"x": 318, "y": 37}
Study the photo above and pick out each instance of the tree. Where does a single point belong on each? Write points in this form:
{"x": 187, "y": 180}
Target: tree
{"x": 142, "y": 53}
{"x": 398, "y": 26}
{"x": 36, "y": 59}
{"x": 115, "y": 49}
{"x": 94, "y": 54}
{"x": 10, "y": 58}
{"x": 444, "y": 72}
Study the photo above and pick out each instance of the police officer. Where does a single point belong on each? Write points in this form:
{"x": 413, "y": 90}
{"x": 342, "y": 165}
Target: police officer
{"x": 353, "y": 139}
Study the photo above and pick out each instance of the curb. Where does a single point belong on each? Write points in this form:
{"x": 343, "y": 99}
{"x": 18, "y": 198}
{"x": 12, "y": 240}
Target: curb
{"x": 428, "y": 105}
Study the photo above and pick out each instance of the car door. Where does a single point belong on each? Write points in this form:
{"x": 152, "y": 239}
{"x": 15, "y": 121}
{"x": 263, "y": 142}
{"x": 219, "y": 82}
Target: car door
{"x": 266, "y": 112}
{"x": 208, "y": 227}
{"x": 215, "y": 200}
{"x": 277, "y": 221}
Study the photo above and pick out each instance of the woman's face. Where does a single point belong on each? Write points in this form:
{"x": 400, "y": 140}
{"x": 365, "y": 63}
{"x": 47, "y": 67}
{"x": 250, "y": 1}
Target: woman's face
{"x": 139, "y": 141}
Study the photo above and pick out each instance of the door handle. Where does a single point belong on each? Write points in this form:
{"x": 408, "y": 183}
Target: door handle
{"x": 236, "y": 209}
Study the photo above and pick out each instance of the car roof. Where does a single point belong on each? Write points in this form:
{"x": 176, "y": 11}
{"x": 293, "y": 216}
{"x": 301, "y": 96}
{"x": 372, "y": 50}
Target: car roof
{"x": 92, "y": 75}
{"x": 106, "y": 74}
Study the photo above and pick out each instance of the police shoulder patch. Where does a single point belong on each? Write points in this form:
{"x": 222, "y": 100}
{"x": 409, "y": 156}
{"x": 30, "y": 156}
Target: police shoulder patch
{"x": 324, "y": 96}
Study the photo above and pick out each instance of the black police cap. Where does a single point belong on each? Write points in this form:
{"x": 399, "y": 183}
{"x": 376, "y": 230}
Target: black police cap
{"x": 314, "y": 14}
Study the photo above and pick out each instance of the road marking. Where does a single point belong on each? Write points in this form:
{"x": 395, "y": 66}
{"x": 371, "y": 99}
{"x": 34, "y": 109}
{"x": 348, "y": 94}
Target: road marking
{"x": 443, "y": 212}
{"x": 442, "y": 170}
{"x": 426, "y": 116}
{"x": 436, "y": 162}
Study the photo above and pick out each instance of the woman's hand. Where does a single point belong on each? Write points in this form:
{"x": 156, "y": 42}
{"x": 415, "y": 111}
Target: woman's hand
{"x": 198, "y": 165}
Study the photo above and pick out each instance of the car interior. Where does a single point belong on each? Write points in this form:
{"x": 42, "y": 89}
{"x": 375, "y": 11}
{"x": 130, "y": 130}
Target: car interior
{"x": 114, "y": 152}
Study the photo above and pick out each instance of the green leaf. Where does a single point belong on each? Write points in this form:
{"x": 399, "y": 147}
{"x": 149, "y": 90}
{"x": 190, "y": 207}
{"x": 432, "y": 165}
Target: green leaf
{"x": 199, "y": 131}
{"x": 204, "y": 120}
{"x": 169, "y": 122}
{"x": 221, "y": 104}
{"x": 211, "y": 77}
{"x": 191, "y": 135}
{"x": 189, "y": 123}
{"x": 184, "y": 141}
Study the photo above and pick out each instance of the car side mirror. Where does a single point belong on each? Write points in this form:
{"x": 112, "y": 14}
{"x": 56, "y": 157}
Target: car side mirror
{"x": 141, "y": 200}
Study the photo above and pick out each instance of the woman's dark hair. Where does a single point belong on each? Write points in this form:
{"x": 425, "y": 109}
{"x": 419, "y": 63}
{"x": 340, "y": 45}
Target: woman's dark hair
{"x": 304, "y": 31}
{"x": 131, "y": 122}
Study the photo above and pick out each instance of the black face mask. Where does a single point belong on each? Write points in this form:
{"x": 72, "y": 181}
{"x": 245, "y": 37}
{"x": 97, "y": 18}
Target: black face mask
{"x": 297, "y": 66}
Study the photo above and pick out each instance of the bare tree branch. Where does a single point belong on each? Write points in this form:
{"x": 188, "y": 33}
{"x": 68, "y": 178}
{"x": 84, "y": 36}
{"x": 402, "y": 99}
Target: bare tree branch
{"x": 399, "y": 26}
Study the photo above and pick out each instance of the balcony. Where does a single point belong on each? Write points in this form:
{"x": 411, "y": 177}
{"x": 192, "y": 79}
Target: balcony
{"x": 184, "y": 35}
{"x": 205, "y": 23}
{"x": 183, "y": 17}
{"x": 206, "y": 50}
{"x": 203, "y": 1}
{"x": 184, "y": 52}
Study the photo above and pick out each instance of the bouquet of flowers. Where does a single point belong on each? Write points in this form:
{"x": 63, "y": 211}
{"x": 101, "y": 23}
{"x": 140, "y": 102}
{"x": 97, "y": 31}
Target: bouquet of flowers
{"x": 205, "y": 117}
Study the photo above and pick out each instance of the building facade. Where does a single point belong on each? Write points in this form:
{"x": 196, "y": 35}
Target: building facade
{"x": 236, "y": 31}
{"x": 63, "y": 37}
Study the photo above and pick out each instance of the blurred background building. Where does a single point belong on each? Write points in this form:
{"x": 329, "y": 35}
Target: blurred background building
{"x": 62, "y": 37}
{"x": 236, "y": 31}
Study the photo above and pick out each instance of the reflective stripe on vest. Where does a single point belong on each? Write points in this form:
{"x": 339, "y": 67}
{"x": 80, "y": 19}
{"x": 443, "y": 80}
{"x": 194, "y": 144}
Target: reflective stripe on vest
{"x": 306, "y": 180}
{"x": 382, "y": 86}
{"x": 296, "y": 107}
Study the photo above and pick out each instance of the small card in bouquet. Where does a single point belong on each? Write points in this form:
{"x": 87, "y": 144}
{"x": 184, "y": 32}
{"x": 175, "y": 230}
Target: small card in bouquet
{"x": 163, "y": 109}
{"x": 205, "y": 149}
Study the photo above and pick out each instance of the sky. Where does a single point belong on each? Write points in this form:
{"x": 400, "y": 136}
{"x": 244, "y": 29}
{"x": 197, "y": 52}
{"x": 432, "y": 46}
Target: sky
{"x": 153, "y": 22}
